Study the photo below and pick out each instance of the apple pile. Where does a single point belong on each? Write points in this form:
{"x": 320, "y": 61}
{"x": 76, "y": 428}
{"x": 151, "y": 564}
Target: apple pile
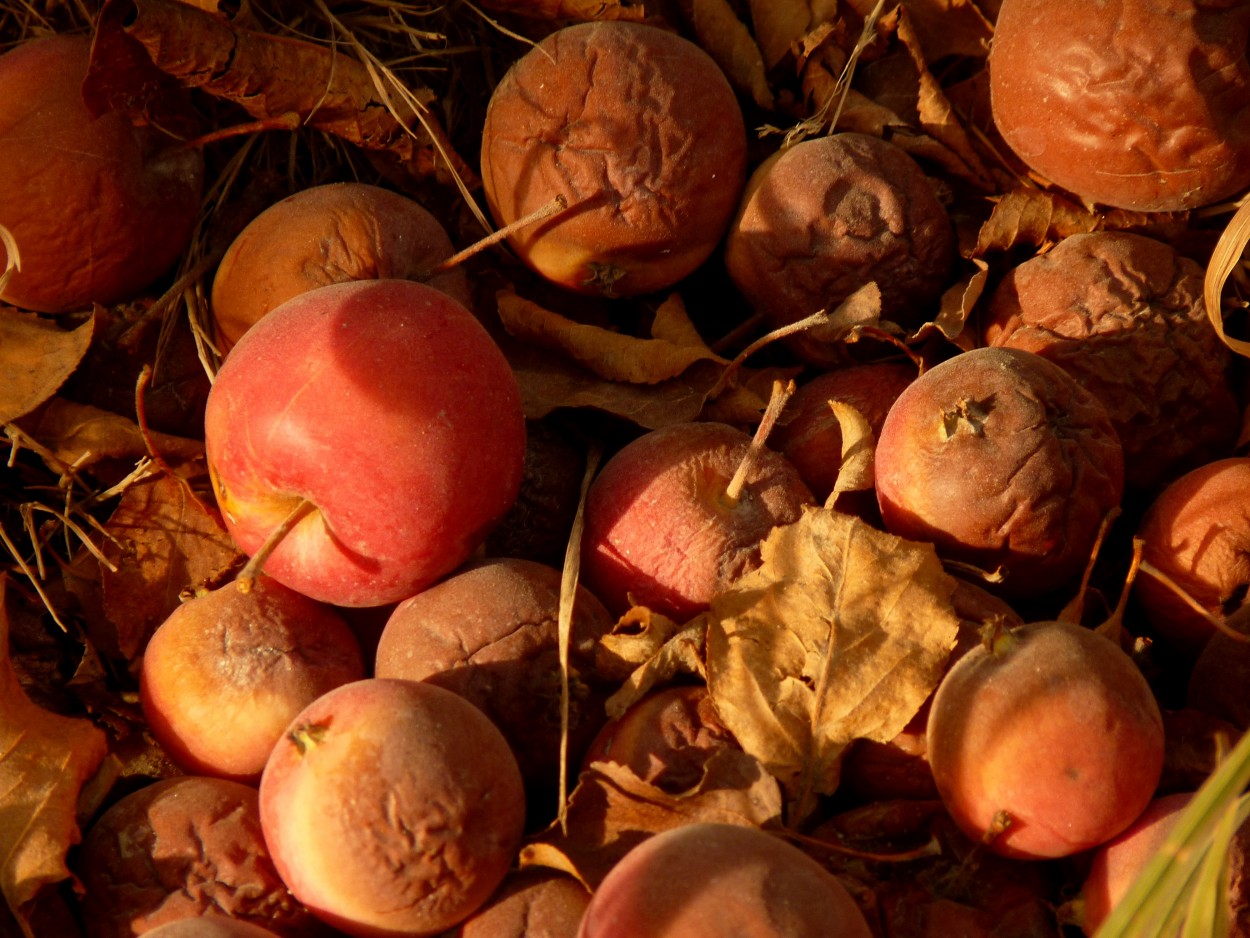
{"x": 508, "y": 636}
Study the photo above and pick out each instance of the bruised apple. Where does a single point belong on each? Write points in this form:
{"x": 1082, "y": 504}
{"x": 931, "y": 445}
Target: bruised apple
{"x": 392, "y": 807}
{"x": 98, "y": 208}
{"x": 1045, "y": 741}
{"x": 327, "y": 234}
{"x": 1197, "y": 534}
{"x": 384, "y": 411}
{"x": 639, "y": 131}
{"x": 229, "y": 669}
{"x": 490, "y": 633}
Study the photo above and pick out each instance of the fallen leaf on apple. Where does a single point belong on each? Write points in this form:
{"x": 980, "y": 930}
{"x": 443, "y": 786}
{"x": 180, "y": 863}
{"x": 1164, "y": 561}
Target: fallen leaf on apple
{"x": 612, "y": 810}
{"x": 856, "y": 472}
{"x": 841, "y": 634}
{"x": 681, "y": 653}
{"x": 163, "y": 543}
{"x": 36, "y": 357}
{"x": 45, "y": 759}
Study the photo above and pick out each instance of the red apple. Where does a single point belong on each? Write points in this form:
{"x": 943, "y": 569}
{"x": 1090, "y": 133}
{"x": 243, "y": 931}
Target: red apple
{"x": 388, "y": 407}
{"x": 661, "y": 530}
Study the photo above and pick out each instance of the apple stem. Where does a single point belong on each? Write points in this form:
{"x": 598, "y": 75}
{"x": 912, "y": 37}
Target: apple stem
{"x": 732, "y": 369}
{"x": 782, "y": 391}
{"x": 554, "y": 207}
{"x": 287, "y": 121}
{"x": 251, "y": 570}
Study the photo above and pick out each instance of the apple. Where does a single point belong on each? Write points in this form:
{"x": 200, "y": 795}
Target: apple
{"x": 98, "y": 208}
{"x": 662, "y": 529}
{"x": 382, "y": 410}
{"x": 228, "y": 670}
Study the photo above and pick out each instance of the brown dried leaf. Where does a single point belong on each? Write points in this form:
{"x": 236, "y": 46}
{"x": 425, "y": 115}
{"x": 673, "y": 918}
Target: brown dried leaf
{"x": 682, "y": 653}
{"x": 841, "y": 634}
{"x": 163, "y": 543}
{"x": 628, "y": 10}
{"x": 1038, "y": 218}
{"x": 549, "y": 382}
{"x": 727, "y": 40}
{"x": 1227, "y": 256}
{"x": 858, "y": 445}
{"x": 951, "y": 28}
{"x": 958, "y": 301}
{"x": 673, "y": 348}
{"x": 80, "y": 435}
{"x": 45, "y": 759}
{"x": 937, "y": 118}
{"x": 36, "y": 358}
{"x": 612, "y": 810}
{"x": 275, "y": 78}
{"x": 781, "y": 24}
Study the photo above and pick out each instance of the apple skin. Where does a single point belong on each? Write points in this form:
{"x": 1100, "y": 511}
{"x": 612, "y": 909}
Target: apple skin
{"x": 388, "y": 406}
{"x": 392, "y": 808}
{"x": 228, "y": 670}
{"x": 99, "y": 208}
{"x": 1054, "y": 725}
{"x": 659, "y": 530}
{"x": 716, "y": 880}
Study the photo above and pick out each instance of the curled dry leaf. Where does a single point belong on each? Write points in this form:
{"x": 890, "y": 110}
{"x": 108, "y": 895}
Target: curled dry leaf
{"x": 727, "y": 40}
{"x": 36, "y": 357}
{"x": 1227, "y": 255}
{"x": 858, "y": 443}
{"x": 841, "y": 634}
{"x": 81, "y": 436}
{"x": 45, "y": 759}
{"x": 681, "y": 653}
{"x": 674, "y": 345}
{"x": 780, "y": 25}
{"x": 612, "y": 810}
{"x": 1032, "y": 217}
{"x": 163, "y": 542}
{"x": 275, "y": 78}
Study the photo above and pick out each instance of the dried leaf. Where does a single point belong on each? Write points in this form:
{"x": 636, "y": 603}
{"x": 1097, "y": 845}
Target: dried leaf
{"x": 1229, "y": 250}
{"x": 858, "y": 445}
{"x": 36, "y": 358}
{"x": 612, "y": 810}
{"x": 780, "y": 24}
{"x": 549, "y": 382}
{"x": 841, "y": 634}
{"x": 80, "y": 435}
{"x": 1039, "y": 218}
{"x": 637, "y": 636}
{"x": 680, "y": 654}
{"x": 727, "y": 40}
{"x": 958, "y": 301}
{"x": 274, "y": 78}
{"x": 937, "y": 117}
{"x": 163, "y": 542}
{"x": 45, "y": 759}
{"x": 950, "y": 28}
{"x": 673, "y": 348}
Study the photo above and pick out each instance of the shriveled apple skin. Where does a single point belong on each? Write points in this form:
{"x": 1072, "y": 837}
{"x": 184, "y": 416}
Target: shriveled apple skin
{"x": 389, "y": 406}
